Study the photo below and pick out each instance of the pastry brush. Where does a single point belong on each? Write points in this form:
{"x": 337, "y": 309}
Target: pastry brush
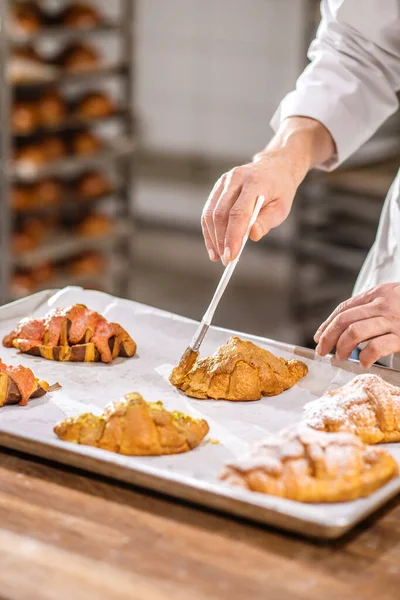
{"x": 226, "y": 276}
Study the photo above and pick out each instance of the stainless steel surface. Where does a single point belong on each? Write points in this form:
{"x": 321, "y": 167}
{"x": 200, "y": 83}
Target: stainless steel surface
{"x": 127, "y": 166}
{"x": 191, "y": 476}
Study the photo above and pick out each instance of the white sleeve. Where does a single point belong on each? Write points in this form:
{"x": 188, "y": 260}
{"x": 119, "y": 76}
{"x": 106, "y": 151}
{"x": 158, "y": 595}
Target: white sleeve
{"x": 351, "y": 83}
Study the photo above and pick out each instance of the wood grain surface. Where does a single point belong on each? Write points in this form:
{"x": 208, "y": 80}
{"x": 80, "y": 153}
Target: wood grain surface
{"x": 67, "y": 535}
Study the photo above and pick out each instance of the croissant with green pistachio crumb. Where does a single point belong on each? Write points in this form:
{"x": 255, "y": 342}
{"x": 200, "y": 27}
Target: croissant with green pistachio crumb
{"x": 134, "y": 427}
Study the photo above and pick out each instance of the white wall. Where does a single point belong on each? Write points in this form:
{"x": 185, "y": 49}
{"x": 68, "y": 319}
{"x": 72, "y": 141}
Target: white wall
{"x": 211, "y": 72}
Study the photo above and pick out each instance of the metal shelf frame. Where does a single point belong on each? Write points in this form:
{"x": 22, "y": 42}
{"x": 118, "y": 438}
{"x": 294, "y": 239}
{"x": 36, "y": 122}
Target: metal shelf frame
{"x": 122, "y": 161}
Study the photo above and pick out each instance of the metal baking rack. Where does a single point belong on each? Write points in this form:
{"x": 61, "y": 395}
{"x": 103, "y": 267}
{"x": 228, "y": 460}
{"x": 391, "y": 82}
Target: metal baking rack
{"x": 71, "y": 123}
{"x": 71, "y": 201}
{"x": 71, "y": 165}
{"x": 62, "y": 245}
{"x": 336, "y": 222}
{"x": 336, "y": 218}
{"x": 117, "y": 157}
{"x": 55, "y": 76}
{"x": 62, "y": 34}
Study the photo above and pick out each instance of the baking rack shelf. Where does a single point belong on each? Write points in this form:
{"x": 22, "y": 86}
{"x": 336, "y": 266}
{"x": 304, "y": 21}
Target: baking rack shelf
{"x": 65, "y": 245}
{"x": 72, "y": 122}
{"x": 24, "y": 82}
{"x": 68, "y": 202}
{"x": 56, "y": 76}
{"x": 71, "y": 165}
{"x": 105, "y": 280}
{"x": 61, "y": 34}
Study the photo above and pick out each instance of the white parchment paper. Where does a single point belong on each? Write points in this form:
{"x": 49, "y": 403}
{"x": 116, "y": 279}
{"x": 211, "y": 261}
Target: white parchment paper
{"x": 161, "y": 338}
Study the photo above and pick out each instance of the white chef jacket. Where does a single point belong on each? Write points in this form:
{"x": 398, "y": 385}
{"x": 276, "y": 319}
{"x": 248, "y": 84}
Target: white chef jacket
{"x": 350, "y": 87}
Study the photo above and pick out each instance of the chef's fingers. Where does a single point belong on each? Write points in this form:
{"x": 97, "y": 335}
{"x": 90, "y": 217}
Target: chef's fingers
{"x": 343, "y": 321}
{"x": 238, "y": 222}
{"x": 361, "y": 299}
{"x": 272, "y": 214}
{"x": 379, "y": 347}
{"x": 209, "y": 242}
{"x": 359, "y": 332}
{"x": 207, "y": 222}
{"x": 221, "y": 215}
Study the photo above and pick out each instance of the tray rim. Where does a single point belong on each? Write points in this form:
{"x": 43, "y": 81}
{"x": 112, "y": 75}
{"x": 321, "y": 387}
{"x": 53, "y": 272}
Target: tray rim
{"x": 202, "y": 494}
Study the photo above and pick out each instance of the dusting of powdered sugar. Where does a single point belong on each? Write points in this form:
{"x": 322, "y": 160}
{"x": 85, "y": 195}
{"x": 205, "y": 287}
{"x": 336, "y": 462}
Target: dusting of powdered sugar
{"x": 335, "y": 407}
{"x": 294, "y": 442}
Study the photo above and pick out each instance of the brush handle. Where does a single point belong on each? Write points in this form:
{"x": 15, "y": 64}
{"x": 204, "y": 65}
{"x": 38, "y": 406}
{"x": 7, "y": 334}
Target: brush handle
{"x": 226, "y": 276}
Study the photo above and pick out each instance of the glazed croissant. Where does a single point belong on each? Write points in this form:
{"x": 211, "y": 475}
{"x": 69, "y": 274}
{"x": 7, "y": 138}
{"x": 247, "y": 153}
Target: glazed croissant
{"x": 72, "y": 334}
{"x": 19, "y": 384}
{"x": 306, "y": 465}
{"x": 238, "y": 370}
{"x": 133, "y": 426}
{"x": 366, "y": 406}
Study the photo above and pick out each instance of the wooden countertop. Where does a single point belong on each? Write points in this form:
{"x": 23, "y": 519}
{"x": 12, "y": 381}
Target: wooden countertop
{"x": 66, "y": 535}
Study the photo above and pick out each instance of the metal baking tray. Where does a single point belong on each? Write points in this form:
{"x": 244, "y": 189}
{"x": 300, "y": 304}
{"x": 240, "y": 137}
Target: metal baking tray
{"x": 193, "y": 476}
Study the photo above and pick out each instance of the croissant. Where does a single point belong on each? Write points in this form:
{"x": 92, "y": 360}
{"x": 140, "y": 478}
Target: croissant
{"x": 306, "y": 465}
{"x": 94, "y": 105}
{"x": 72, "y": 334}
{"x": 52, "y": 108}
{"x": 18, "y": 385}
{"x": 238, "y": 370}
{"x": 27, "y": 16}
{"x": 80, "y": 16}
{"x": 133, "y": 426}
{"x": 24, "y": 117}
{"x": 366, "y": 406}
{"x": 79, "y": 57}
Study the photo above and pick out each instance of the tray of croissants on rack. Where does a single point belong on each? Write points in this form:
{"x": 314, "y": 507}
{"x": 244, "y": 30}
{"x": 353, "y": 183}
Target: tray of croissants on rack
{"x": 31, "y": 23}
{"x": 253, "y": 427}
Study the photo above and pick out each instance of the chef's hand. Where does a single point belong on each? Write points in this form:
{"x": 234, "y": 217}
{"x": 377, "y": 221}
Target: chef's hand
{"x": 372, "y": 317}
{"x": 274, "y": 173}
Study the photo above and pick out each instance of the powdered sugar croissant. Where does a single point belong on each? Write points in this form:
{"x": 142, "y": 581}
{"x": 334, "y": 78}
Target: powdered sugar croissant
{"x": 238, "y": 370}
{"x": 366, "y": 406}
{"x": 306, "y": 465}
{"x": 133, "y": 426}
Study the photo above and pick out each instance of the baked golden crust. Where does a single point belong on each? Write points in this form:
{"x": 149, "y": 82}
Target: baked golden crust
{"x": 306, "y": 465}
{"x": 19, "y": 384}
{"x": 135, "y": 427}
{"x": 74, "y": 334}
{"x": 366, "y": 406}
{"x": 238, "y": 371}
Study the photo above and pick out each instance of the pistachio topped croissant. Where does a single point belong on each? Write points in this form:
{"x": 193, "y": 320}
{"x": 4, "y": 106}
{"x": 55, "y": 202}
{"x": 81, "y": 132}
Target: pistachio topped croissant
{"x": 238, "y": 370}
{"x": 133, "y": 426}
{"x": 72, "y": 334}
